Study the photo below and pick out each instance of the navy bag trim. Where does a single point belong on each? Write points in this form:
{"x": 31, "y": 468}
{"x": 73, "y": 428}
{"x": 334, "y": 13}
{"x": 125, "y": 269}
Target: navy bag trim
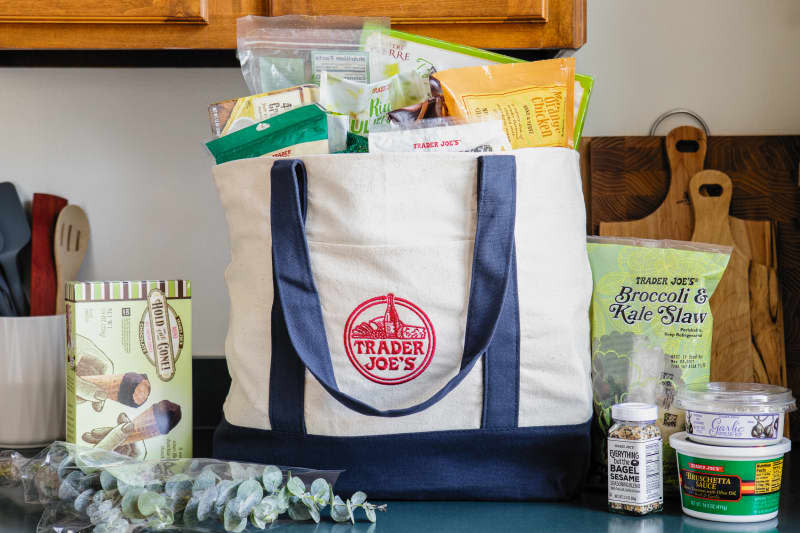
{"x": 492, "y": 315}
{"x": 529, "y": 463}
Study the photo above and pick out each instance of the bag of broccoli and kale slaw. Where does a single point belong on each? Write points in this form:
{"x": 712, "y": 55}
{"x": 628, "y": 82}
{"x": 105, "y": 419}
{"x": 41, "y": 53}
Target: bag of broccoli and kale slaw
{"x": 651, "y": 330}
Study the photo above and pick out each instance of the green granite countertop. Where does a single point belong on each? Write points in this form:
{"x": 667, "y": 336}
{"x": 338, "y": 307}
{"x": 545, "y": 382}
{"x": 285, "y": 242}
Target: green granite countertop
{"x": 584, "y": 514}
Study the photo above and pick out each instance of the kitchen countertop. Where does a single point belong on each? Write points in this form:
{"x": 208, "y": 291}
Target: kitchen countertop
{"x": 584, "y": 514}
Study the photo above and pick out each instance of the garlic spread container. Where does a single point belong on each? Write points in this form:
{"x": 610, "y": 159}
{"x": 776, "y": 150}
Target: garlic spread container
{"x": 729, "y": 483}
{"x": 735, "y": 414}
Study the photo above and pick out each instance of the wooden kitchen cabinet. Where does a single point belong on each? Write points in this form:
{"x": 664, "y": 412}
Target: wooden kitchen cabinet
{"x": 211, "y": 24}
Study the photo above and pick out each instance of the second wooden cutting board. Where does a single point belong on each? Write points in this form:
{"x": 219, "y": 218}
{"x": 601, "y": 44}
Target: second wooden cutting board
{"x": 732, "y": 350}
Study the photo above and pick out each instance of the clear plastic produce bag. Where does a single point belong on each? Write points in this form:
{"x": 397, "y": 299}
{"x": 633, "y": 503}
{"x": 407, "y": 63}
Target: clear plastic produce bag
{"x": 86, "y": 489}
{"x": 280, "y": 52}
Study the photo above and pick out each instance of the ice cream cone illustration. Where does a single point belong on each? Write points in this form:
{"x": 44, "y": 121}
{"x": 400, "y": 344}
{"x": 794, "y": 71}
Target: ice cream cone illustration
{"x": 129, "y": 389}
{"x": 159, "y": 419}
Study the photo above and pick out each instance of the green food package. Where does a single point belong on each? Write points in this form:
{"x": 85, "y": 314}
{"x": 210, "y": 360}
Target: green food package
{"x": 414, "y": 57}
{"x": 300, "y": 131}
{"x": 651, "y": 329}
{"x": 129, "y": 367}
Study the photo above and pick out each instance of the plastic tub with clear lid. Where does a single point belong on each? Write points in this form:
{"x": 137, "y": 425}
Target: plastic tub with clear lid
{"x": 735, "y": 414}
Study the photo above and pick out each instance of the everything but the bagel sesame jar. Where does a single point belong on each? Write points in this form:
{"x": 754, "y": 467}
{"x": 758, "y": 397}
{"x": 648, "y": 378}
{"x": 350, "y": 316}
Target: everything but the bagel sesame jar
{"x": 735, "y": 414}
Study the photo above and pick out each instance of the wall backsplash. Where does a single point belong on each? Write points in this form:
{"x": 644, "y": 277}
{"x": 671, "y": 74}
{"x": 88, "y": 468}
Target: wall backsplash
{"x": 127, "y": 144}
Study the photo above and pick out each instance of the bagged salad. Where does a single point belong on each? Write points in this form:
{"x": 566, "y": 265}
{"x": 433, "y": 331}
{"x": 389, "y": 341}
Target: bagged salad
{"x": 651, "y": 330}
{"x": 86, "y": 489}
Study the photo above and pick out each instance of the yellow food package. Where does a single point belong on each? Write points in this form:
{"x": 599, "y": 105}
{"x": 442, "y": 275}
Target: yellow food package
{"x": 534, "y": 100}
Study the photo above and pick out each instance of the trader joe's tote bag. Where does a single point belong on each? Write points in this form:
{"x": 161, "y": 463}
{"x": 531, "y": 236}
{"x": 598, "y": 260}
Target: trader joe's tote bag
{"x": 418, "y": 320}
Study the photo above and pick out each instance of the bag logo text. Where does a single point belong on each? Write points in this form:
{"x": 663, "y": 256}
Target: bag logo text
{"x": 389, "y": 340}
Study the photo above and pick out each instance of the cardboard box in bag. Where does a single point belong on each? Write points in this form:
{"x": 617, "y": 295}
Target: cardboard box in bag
{"x": 129, "y": 367}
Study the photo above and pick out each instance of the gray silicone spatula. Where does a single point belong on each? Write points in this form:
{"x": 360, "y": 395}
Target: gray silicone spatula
{"x": 16, "y": 235}
{"x": 6, "y": 305}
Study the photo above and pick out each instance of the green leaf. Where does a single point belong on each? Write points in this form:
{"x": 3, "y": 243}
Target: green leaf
{"x": 83, "y": 500}
{"x": 231, "y": 519}
{"x": 107, "y": 481}
{"x": 314, "y": 512}
{"x": 249, "y": 495}
{"x": 161, "y": 519}
{"x": 204, "y": 481}
{"x": 272, "y": 478}
{"x": 298, "y": 511}
{"x": 321, "y": 492}
{"x": 295, "y": 486}
{"x": 130, "y": 502}
{"x": 122, "y": 487}
{"x": 350, "y": 514}
{"x": 370, "y": 512}
{"x": 339, "y": 510}
{"x": 190, "y": 513}
{"x": 226, "y": 491}
{"x": 178, "y": 487}
{"x": 358, "y": 498}
{"x": 283, "y": 500}
{"x": 206, "y": 504}
{"x": 149, "y": 501}
{"x": 264, "y": 513}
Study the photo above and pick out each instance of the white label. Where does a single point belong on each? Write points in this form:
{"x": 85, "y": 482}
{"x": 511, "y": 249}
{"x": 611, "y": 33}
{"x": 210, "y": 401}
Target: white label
{"x": 723, "y": 426}
{"x": 634, "y": 471}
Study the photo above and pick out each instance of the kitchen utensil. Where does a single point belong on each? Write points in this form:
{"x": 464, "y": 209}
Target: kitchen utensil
{"x": 732, "y": 351}
{"x": 46, "y": 208}
{"x": 32, "y": 384}
{"x": 17, "y": 233}
{"x": 6, "y": 303}
{"x": 69, "y": 248}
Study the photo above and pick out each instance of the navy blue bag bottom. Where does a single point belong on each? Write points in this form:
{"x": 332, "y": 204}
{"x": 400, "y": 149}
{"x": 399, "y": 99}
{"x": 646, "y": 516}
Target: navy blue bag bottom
{"x": 529, "y": 463}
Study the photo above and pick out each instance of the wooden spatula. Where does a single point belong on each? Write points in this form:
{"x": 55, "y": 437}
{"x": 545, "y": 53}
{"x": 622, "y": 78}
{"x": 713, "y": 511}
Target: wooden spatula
{"x": 16, "y": 235}
{"x": 69, "y": 248}
{"x": 46, "y": 208}
{"x": 732, "y": 350}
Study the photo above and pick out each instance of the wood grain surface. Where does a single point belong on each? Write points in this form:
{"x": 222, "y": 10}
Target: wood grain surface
{"x": 627, "y": 178}
{"x": 46, "y": 208}
{"x": 515, "y": 24}
{"x": 732, "y": 350}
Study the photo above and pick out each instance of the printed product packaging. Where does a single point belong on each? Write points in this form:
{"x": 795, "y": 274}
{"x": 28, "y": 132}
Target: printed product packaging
{"x": 129, "y": 367}
{"x": 301, "y": 131}
{"x": 280, "y": 52}
{"x": 651, "y": 328}
{"x": 366, "y": 104}
{"x": 535, "y": 99}
{"x": 233, "y": 115}
{"x": 441, "y": 135}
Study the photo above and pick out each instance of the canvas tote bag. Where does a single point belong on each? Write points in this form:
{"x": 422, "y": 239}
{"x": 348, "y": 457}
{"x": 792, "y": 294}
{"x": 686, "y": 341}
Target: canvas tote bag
{"x": 418, "y": 320}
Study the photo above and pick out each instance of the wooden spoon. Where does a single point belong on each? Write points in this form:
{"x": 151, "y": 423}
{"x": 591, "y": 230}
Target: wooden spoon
{"x": 46, "y": 208}
{"x": 69, "y": 248}
{"x": 732, "y": 350}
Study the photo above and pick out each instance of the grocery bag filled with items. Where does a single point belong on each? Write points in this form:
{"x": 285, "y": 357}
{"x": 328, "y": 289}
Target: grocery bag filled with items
{"x": 392, "y": 287}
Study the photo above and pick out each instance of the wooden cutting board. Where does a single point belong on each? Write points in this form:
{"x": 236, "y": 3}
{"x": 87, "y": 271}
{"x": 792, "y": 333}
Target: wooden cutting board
{"x": 732, "y": 349}
{"x": 626, "y": 178}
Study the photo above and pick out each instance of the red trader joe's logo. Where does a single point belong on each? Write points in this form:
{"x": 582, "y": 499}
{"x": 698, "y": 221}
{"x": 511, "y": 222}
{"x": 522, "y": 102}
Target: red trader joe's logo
{"x": 389, "y": 340}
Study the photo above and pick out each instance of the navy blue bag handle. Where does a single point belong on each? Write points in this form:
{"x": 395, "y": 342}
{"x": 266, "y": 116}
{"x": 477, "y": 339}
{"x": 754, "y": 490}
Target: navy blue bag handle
{"x": 493, "y": 279}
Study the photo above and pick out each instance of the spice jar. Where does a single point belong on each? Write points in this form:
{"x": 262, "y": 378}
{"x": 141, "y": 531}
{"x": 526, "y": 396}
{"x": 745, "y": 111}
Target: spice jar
{"x": 635, "y": 478}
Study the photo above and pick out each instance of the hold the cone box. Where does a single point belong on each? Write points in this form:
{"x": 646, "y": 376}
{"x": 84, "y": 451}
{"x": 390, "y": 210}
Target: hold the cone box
{"x": 129, "y": 367}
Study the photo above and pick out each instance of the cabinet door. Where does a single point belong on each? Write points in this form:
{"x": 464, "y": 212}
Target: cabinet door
{"x": 106, "y": 11}
{"x": 482, "y": 23}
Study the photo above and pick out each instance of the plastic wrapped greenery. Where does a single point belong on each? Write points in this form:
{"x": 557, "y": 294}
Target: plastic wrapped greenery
{"x": 85, "y": 489}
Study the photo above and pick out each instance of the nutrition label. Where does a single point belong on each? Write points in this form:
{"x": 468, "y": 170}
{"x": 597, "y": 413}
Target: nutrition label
{"x": 634, "y": 471}
{"x": 768, "y": 476}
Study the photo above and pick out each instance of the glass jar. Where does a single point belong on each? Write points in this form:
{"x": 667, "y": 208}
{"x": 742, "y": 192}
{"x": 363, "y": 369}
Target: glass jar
{"x": 635, "y": 477}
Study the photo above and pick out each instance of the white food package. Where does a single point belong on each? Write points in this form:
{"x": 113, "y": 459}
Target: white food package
{"x": 436, "y": 135}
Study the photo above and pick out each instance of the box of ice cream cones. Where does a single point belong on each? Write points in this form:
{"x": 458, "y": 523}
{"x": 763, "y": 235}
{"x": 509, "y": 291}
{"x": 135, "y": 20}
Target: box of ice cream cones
{"x": 129, "y": 367}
